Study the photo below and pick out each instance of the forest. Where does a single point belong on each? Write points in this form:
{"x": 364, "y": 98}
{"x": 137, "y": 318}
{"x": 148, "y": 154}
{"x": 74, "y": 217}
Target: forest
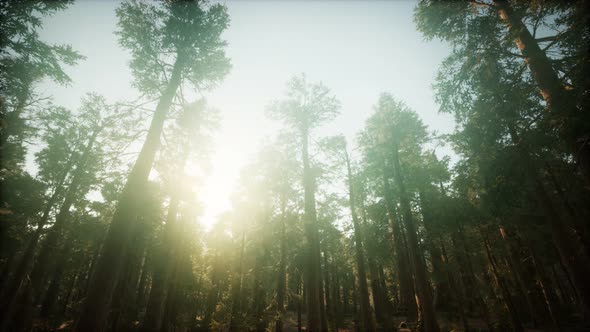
{"x": 101, "y": 208}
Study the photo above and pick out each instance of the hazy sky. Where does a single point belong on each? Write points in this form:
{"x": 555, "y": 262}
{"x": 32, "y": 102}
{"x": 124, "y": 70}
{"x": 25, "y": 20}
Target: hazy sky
{"x": 357, "y": 49}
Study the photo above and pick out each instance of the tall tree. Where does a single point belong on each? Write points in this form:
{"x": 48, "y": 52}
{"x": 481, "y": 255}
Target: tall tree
{"x": 338, "y": 146}
{"x": 189, "y": 34}
{"x": 305, "y": 107}
{"x": 399, "y": 128}
{"x": 509, "y": 38}
{"x": 188, "y": 137}
{"x": 70, "y": 165}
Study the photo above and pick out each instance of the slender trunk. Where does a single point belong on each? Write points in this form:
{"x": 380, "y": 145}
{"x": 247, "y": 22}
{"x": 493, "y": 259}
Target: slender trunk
{"x": 468, "y": 277}
{"x": 68, "y": 296}
{"x": 547, "y": 291}
{"x": 334, "y": 295}
{"x": 179, "y": 260}
{"x": 50, "y": 245}
{"x": 51, "y": 296}
{"x": 338, "y": 313}
{"x": 314, "y": 313}
{"x": 543, "y": 282}
{"x": 236, "y": 308}
{"x": 425, "y": 298}
{"x": 565, "y": 296}
{"x": 281, "y": 282}
{"x": 407, "y": 301}
{"x": 531, "y": 277}
{"x": 383, "y": 286}
{"x": 299, "y": 304}
{"x": 97, "y": 304}
{"x": 458, "y": 291}
{"x": 382, "y": 309}
{"x": 560, "y": 103}
{"x": 9, "y": 294}
{"x": 516, "y": 322}
{"x": 441, "y": 281}
{"x": 169, "y": 318}
{"x": 355, "y": 311}
{"x": 514, "y": 264}
{"x": 573, "y": 258}
{"x": 327, "y": 292}
{"x": 367, "y": 318}
{"x": 91, "y": 268}
{"x": 213, "y": 291}
{"x": 141, "y": 286}
{"x": 162, "y": 271}
{"x": 572, "y": 253}
{"x": 258, "y": 291}
{"x": 323, "y": 297}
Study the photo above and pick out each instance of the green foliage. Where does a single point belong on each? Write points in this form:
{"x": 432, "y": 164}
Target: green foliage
{"x": 306, "y": 105}
{"x": 24, "y": 58}
{"x": 157, "y": 35}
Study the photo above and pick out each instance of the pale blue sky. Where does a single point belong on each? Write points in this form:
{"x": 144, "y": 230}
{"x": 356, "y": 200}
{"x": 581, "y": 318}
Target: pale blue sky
{"x": 358, "y": 49}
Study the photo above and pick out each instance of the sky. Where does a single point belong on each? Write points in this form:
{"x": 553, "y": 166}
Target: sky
{"x": 357, "y": 49}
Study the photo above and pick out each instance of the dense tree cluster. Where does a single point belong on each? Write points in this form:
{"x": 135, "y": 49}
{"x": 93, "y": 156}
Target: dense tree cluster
{"x": 323, "y": 234}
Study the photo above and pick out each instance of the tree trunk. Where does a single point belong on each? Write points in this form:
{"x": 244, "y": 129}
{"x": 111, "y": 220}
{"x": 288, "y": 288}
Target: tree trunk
{"x": 314, "y": 313}
{"x": 458, "y": 291}
{"x": 516, "y": 322}
{"x": 170, "y": 316}
{"x": 467, "y": 276}
{"x": 141, "y": 285}
{"x": 382, "y": 309}
{"x": 572, "y": 253}
{"x": 560, "y": 103}
{"x": 422, "y": 285}
{"x": 281, "y": 282}
{"x": 51, "y": 243}
{"x": 367, "y": 322}
{"x": 547, "y": 290}
{"x": 122, "y": 307}
{"x": 327, "y": 292}
{"x": 514, "y": 265}
{"x": 68, "y": 294}
{"x": 179, "y": 261}
{"x": 12, "y": 287}
{"x": 162, "y": 271}
{"x": 90, "y": 270}
{"x": 299, "y": 304}
{"x": 406, "y": 286}
{"x": 441, "y": 281}
{"x": 52, "y": 292}
{"x": 324, "y": 297}
{"x": 96, "y": 307}
{"x": 236, "y": 308}
{"x": 213, "y": 292}
{"x": 258, "y": 290}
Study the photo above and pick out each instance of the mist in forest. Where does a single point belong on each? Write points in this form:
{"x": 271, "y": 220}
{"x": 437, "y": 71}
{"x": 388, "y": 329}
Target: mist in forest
{"x": 294, "y": 166}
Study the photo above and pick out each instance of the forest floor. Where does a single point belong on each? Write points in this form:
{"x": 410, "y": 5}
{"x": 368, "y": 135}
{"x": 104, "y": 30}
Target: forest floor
{"x": 574, "y": 324}
{"x": 290, "y": 323}
{"x": 475, "y": 324}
